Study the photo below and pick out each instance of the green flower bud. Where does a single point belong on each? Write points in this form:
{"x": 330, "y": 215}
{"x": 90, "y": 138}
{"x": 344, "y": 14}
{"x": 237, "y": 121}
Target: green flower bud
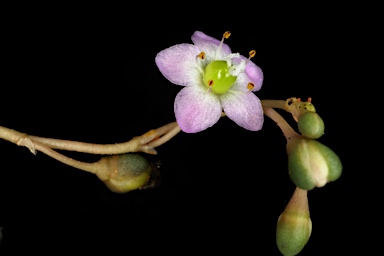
{"x": 128, "y": 172}
{"x": 294, "y": 225}
{"x": 312, "y": 164}
{"x": 311, "y": 125}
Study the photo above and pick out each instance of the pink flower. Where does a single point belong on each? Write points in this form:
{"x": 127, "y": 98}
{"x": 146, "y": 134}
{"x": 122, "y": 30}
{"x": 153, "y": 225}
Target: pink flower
{"x": 215, "y": 80}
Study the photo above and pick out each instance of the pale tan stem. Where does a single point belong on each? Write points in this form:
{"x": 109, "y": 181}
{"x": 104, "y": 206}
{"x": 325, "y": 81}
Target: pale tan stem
{"x": 281, "y": 104}
{"x": 139, "y": 143}
{"x": 18, "y": 138}
{"x": 280, "y": 121}
{"x": 298, "y": 201}
{"x": 10, "y": 134}
{"x": 88, "y": 167}
{"x": 91, "y": 148}
{"x": 169, "y": 135}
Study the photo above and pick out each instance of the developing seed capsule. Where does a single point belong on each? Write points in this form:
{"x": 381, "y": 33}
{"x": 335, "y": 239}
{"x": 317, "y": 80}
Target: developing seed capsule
{"x": 294, "y": 225}
{"x": 312, "y": 164}
{"x": 311, "y": 125}
{"x": 128, "y": 172}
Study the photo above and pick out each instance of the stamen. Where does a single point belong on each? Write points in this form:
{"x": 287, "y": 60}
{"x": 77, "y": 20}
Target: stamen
{"x": 210, "y": 85}
{"x": 309, "y": 99}
{"x": 250, "y": 86}
{"x": 200, "y": 56}
{"x": 226, "y": 35}
{"x": 252, "y": 54}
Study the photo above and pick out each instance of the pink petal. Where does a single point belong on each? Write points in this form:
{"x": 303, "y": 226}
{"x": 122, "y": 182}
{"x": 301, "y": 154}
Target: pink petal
{"x": 252, "y": 73}
{"x": 244, "y": 109}
{"x": 196, "y": 109}
{"x": 210, "y": 45}
{"x": 241, "y": 83}
{"x": 255, "y": 74}
{"x": 178, "y": 64}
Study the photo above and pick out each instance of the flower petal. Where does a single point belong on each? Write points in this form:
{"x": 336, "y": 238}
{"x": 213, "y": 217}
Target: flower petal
{"x": 255, "y": 74}
{"x": 178, "y": 64}
{"x": 210, "y": 45}
{"x": 252, "y": 73}
{"x": 196, "y": 109}
{"x": 244, "y": 109}
{"x": 241, "y": 83}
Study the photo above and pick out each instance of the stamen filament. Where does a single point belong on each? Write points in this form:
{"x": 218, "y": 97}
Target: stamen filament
{"x": 200, "y": 56}
{"x": 226, "y": 35}
{"x": 252, "y": 54}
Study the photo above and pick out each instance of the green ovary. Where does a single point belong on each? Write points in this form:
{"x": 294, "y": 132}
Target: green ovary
{"x": 217, "y": 77}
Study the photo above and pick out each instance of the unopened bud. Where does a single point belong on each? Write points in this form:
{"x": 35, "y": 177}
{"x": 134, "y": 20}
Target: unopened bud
{"x": 311, "y": 125}
{"x": 294, "y": 225}
{"x": 312, "y": 164}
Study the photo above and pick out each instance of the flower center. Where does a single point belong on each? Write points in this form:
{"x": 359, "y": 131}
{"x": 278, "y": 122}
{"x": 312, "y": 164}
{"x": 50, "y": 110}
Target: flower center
{"x": 220, "y": 75}
{"x": 217, "y": 77}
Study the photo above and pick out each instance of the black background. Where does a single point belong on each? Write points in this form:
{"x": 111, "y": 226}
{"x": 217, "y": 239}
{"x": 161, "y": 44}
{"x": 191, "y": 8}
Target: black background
{"x": 91, "y": 76}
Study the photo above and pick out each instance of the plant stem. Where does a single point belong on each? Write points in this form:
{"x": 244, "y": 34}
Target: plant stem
{"x": 88, "y": 167}
{"x": 280, "y": 121}
{"x": 281, "y": 104}
{"x": 145, "y": 143}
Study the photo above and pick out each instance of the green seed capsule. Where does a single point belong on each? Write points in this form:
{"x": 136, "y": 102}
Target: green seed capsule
{"x": 311, "y": 125}
{"x": 294, "y": 225}
{"x": 312, "y": 164}
{"x": 128, "y": 172}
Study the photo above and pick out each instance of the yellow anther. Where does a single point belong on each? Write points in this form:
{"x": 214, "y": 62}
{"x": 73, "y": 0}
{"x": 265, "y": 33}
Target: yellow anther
{"x": 227, "y": 34}
{"x": 201, "y": 55}
{"x": 250, "y": 86}
{"x": 252, "y": 54}
{"x": 210, "y": 82}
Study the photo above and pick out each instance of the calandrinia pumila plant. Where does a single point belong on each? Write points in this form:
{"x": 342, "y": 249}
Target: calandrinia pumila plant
{"x": 218, "y": 83}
